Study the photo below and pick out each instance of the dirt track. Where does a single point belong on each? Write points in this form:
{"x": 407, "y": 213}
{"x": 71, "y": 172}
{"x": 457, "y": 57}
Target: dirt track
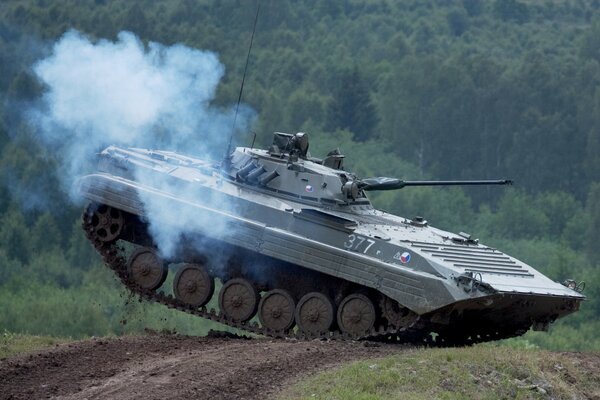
{"x": 173, "y": 367}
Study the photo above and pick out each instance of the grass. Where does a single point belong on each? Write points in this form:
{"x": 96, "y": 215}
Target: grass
{"x": 478, "y": 372}
{"x": 16, "y": 343}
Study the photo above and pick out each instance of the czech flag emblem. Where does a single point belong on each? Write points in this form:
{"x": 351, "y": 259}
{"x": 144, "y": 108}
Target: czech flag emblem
{"x": 405, "y": 257}
{"x": 309, "y": 189}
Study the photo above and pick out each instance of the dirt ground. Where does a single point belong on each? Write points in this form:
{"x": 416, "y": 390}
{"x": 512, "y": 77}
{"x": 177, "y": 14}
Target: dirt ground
{"x": 174, "y": 367}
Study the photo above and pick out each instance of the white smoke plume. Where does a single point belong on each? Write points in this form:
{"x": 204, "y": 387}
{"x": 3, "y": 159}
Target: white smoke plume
{"x": 125, "y": 93}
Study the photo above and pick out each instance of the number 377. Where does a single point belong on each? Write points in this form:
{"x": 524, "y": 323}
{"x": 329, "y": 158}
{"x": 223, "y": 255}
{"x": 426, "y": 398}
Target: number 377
{"x": 358, "y": 243}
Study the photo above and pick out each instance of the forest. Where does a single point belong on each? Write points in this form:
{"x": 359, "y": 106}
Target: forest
{"x": 414, "y": 89}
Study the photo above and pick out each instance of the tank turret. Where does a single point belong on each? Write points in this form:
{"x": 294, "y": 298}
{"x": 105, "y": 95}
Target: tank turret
{"x": 288, "y": 155}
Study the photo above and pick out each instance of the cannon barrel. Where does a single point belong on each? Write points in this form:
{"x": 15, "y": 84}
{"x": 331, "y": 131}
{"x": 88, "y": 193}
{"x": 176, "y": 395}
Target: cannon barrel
{"x": 384, "y": 183}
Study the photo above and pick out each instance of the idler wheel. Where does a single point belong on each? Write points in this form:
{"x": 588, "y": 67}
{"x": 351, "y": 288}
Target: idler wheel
{"x": 276, "y": 310}
{"x": 238, "y": 300}
{"x": 106, "y": 222}
{"x": 356, "y": 314}
{"x": 314, "y": 313}
{"x": 147, "y": 269}
{"x": 193, "y": 285}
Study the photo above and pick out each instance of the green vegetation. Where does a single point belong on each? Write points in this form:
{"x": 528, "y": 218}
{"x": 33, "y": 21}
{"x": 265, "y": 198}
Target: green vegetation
{"x": 478, "y": 372}
{"x": 36, "y": 301}
{"x": 414, "y": 89}
{"x": 12, "y": 343}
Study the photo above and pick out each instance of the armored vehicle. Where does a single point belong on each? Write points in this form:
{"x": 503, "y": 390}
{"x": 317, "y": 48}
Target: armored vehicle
{"x": 296, "y": 249}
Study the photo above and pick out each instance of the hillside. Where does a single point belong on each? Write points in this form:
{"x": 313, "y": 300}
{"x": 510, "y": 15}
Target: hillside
{"x": 479, "y": 372}
{"x": 173, "y": 367}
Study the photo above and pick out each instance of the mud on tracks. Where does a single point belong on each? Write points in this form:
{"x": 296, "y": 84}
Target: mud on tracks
{"x": 174, "y": 367}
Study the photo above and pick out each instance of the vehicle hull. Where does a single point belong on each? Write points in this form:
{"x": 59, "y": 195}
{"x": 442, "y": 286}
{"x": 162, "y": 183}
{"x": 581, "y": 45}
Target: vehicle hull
{"x": 428, "y": 285}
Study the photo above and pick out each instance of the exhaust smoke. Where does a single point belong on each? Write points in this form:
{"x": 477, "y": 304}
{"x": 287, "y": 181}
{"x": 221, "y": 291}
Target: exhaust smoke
{"x": 130, "y": 94}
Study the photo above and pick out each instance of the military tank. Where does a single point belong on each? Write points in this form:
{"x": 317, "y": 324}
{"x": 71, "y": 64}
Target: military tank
{"x": 297, "y": 250}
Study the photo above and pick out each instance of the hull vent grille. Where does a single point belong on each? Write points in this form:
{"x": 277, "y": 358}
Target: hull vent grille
{"x": 475, "y": 259}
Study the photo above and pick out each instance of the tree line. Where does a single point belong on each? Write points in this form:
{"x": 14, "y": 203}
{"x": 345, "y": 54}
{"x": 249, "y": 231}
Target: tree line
{"x": 430, "y": 89}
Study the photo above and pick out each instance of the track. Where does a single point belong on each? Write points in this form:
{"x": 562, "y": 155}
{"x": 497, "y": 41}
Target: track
{"x": 174, "y": 367}
{"x": 418, "y": 332}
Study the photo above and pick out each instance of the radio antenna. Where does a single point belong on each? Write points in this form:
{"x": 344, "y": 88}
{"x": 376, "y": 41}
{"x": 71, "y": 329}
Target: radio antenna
{"x": 237, "y": 107}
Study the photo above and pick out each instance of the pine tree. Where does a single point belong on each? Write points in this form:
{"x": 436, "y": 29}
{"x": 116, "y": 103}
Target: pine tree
{"x": 593, "y": 213}
{"x": 351, "y": 107}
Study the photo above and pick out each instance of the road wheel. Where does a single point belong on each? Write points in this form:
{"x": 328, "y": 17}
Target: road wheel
{"x": 314, "y": 313}
{"x": 356, "y": 315}
{"x": 238, "y": 300}
{"x": 193, "y": 285}
{"x": 276, "y": 310}
{"x": 147, "y": 269}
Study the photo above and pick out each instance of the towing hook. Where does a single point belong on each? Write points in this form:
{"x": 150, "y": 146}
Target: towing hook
{"x": 573, "y": 285}
{"x": 470, "y": 281}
